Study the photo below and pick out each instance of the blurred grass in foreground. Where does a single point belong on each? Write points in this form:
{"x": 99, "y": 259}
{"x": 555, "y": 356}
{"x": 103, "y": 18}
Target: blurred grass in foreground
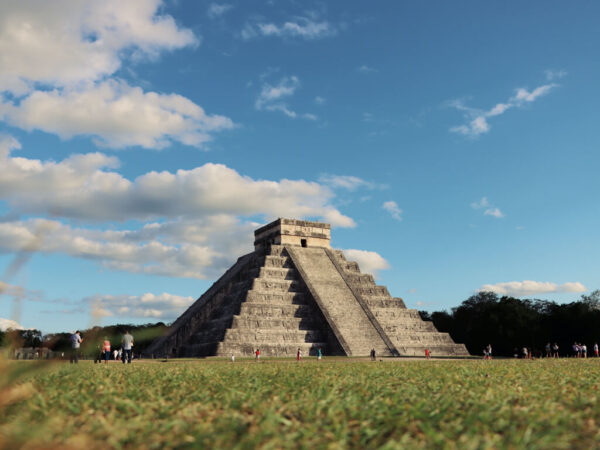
{"x": 279, "y": 403}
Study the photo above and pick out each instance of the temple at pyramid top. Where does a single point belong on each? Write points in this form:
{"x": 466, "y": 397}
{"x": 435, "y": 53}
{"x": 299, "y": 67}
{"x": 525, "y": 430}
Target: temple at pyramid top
{"x": 293, "y": 232}
{"x": 295, "y": 293}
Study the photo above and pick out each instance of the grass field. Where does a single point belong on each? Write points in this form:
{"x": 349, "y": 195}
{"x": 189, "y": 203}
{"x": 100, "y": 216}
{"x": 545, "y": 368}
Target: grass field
{"x": 336, "y": 403}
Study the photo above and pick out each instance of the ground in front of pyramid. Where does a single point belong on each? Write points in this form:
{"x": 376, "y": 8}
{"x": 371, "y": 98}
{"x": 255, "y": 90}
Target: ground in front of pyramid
{"x": 294, "y": 292}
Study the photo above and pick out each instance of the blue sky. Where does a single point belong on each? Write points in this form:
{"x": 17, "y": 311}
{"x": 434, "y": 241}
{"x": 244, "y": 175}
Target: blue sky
{"x": 452, "y": 145}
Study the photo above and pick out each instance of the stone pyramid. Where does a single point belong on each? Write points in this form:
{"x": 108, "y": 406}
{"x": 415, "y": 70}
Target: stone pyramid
{"x": 295, "y": 292}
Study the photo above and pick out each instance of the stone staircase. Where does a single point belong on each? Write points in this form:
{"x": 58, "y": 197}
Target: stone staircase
{"x": 274, "y": 315}
{"x": 409, "y": 334}
{"x": 351, "y": 325}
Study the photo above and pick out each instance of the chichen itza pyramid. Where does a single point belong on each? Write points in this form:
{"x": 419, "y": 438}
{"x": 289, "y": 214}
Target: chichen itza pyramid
{"x": 294, "y": 291}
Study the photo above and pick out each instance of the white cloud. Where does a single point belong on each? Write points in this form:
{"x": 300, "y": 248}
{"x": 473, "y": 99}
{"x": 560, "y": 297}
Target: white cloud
{"x": 393, "y": 209}
{"x": 5, "y": 324}
{"x": 489, "y": 209}
{"x": 366, "y": 69}
{"x": 483, "y": 203}
{"x": 63, "y": 43}
{"x": 116, "y": 115}
{"x": 494, "y": 212}
{"x": 190, "y": 223}
{"x": 320, "y": 100}
{"x": 301, "y": 27}
{"x": 526, "y": 96}
{"x": 82, "y": 187}
{"x": 552, "y": 74}
{"x": 348, "y": 182}
{"x": 528, "y": 287}
{"x": 477, "y": 119}
{"x": 146, "y": 306}
{"x": 369, "y": 262}
{"x": 57, "y": 62}
{"x": 274, "y": 98}
{"x": 217, "y": 10}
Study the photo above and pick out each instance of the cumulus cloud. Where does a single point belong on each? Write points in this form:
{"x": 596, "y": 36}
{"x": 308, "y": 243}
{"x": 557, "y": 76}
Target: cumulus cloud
{"x": 274, "y": 98}
{"x": 369, "y": 262}
{"x": 301, "y": 27}
{"x": 190, "y": 223}
{"x": 82, "y": 186}
{"x": 6, "y": 324}
{"x": 477, "y": 119}
{"x": 393, "y": 208}
{"x": 488, "y": 208}
{"x": 164, "y": 306}
{"x": 494, "y": 212}
{"x": 121, "y": 250}
{"x": 63, "y": 43}
{"x": 528, "y": 287}
{"x": 217, "y": 10}
{"x": 116, "y": 115}
{"x": 57, "y": 62}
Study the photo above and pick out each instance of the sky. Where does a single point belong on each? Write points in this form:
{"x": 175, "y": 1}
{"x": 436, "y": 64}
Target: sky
{"x": 452, "y": 146}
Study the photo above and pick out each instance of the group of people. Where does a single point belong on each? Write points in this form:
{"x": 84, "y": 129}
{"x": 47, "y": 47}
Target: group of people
{"x": 124, "y": 353}
{"x": 581, "y": 351}
{"x": 551, "y": 351}
{"x": 104, "y": 349}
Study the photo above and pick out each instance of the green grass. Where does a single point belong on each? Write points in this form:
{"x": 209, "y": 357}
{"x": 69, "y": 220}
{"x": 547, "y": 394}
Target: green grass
{"x": 334, "y": 403}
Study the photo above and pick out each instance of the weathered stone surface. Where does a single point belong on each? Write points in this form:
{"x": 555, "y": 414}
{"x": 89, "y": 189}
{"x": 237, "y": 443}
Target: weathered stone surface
{"x": 294, "y": 292}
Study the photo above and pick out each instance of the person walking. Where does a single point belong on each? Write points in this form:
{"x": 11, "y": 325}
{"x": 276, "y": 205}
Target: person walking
{"x": 548, "y": 350}
{"x": 299, "y": 355}
{"x": 373, "y": 355}
{"x": 106, "y": 349}
{"x": 584, "y": 351}
{"x": 319, "y": 354}
{"x": 555, "y": 350}
{"x": 427, "y": 353}
{"x": 596, "y": 349}
{"x": 115, "y": 354}
{"x": 257, "y": 353}
{"x": 232, "y": 358}
{"x": 76, "y": 341}
{"x": 127, "y": 343}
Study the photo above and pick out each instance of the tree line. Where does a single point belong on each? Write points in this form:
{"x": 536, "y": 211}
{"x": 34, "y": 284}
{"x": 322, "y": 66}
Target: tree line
{"x": 509, "y": 323}
{"x": 505, "y": 322}
{"x": 92, "y": 338}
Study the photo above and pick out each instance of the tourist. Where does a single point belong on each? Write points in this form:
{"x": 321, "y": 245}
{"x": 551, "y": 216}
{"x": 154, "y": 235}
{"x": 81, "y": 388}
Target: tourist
{"x": 489, "y": 351}
{"x": 257, "y": 353}
{"x": 115, "y": 354}
{"x": 319, "y": 354}
{"x": 299, "y": 355}
{"x": 99, "y": 353}
{"x": 76, "y": 341}
{"x": 127, "y": 342}
{"x": 525, "y": 353}
{"x": 373, "y": 355}
{"x": 427, "y": 353}
{"x": 232, "y": 357}
{"x": 584, "y": 351}
{"x": 106, "y": 349}
{"x": 555, "y": 350}
{"x": 596, "y": 349}
{"x": 548, "y": 350}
